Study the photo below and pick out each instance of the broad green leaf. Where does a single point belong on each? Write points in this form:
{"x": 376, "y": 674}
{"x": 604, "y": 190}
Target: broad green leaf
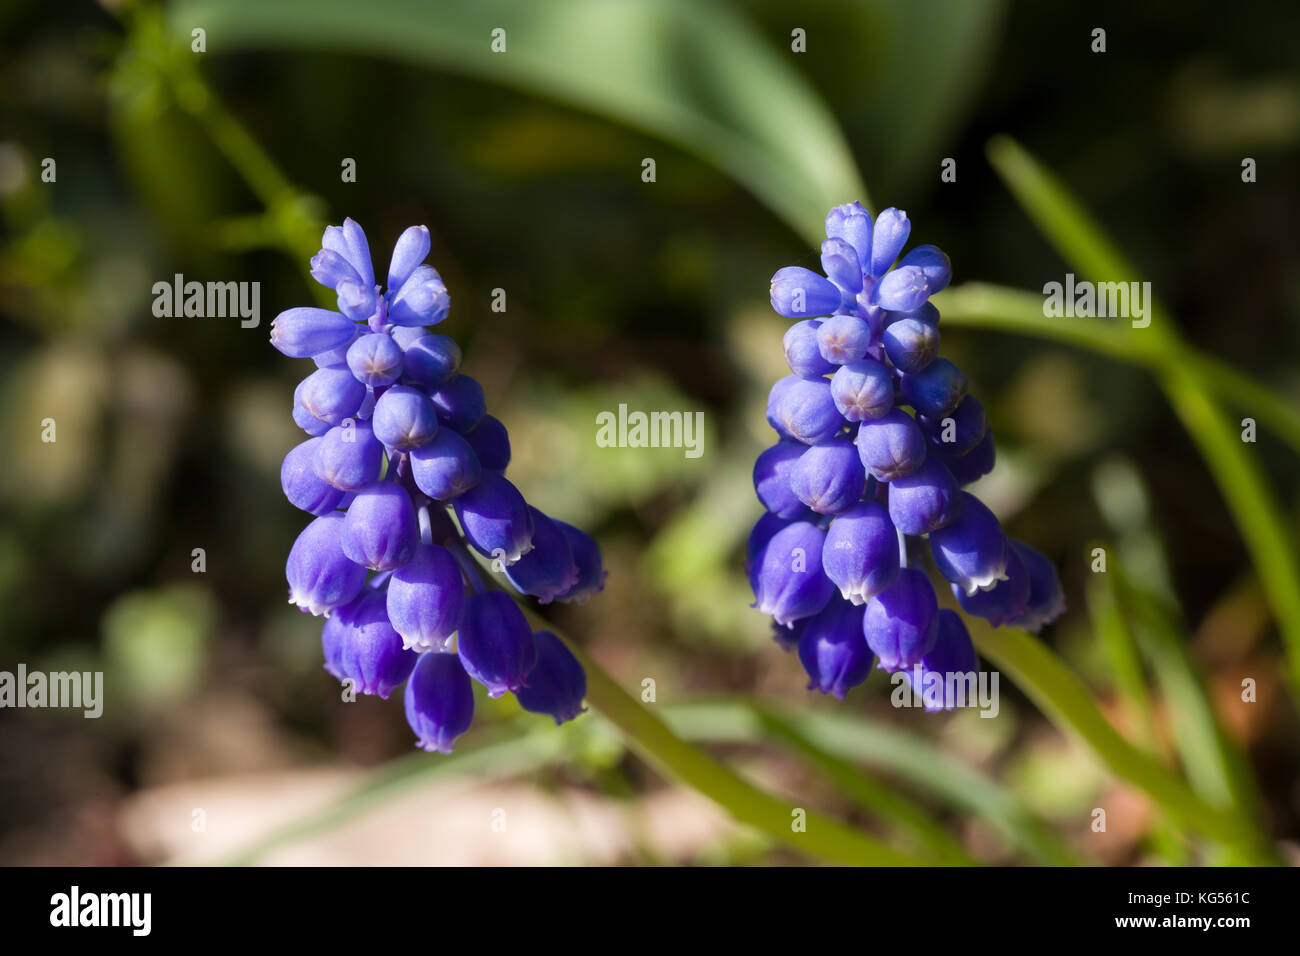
{"x": 690, "y": 71}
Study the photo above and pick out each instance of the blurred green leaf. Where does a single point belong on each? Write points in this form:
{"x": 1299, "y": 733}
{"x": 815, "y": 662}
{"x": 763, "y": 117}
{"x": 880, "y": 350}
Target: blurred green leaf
{"x": 155, "y": 642}
{"x": 1216, "y": 767}
{"x": 920, "y": 65}
{"x": 690, "y": 71}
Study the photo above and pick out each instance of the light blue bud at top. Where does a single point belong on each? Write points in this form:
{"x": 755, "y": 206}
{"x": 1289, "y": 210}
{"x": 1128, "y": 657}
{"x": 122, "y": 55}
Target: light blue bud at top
{"x": 371, "y": 652}
{"x": 887, "y": 240}
{"x": 843, "y": 339}
{"x": 924, "y": 500}
{"x": 1005, "y": 601}
{"x": 421, "y": 300}
{"x": 431, "y": 361}
{"x": 350, "y": 241}
{"x": 829, "y": 477}
{"x": 426, "y": 599}
{"x": 891, "y": 446}
{"x": 496, "y": 645}
{"x": 902, "y": 289}
{"x": 375, "y": 359}
{"x": 331, "y": 395}
{"x": 1046, "y": 599}
{"x": 439, "y": 701}
{"x": 934, "y": 264}
{"x": 320, "y": 574}
{"x": 806, "y": 412}
{"x": 973, "y": 465}
{"x": 959, "y": 431}
{"x": 591, "y": 568}
{"x": 557, "y": 683}
{"x": 833, "y": 649}
{"x": 491, "y": 443}
{"x": 349, "y": 456}
{"x": 923, "y": 272}
{"x": 774, "y": 396}
{"x": 303, "y": 418}
{"x": 495, "y": 519}
{"x": 404, "y": 418}
{"x": 789, "y": 583}
{"x": 772, "y": 478}
{"x": 460, "y": 403}
{"x": 381, "y": 530}
{"x": 357, "y": 301}
{"x": 411, "y": 249}
{"x": 548, "y": 569}
{"x": 302, "y": 487}
{"x": 841, "y": 265}
{"x": 852, "y": 223}
{"x": 971, "y": 552}
{"x": 862, "y": 390}
{"x": 861, "y": 552}
{"x": 943, "y": 670}
{"x": 304, "y": 331}
{"x": 329, "y": 269}
{"x": 798, "y": 293}
{"x": 802, "y": 351}
{"x": 445, "y": 467}
{"x": 911, "y": 344}
{"x": 901, "y": 622}
{"x": 935, "y": 390}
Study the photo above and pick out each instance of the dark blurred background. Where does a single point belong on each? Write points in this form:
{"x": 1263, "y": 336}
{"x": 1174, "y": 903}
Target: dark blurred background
{"x": 171, "y": 431}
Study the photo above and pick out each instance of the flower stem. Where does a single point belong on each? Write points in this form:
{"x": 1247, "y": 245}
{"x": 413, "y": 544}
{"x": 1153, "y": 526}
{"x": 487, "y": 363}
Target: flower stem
{"x": 650, "y": 737}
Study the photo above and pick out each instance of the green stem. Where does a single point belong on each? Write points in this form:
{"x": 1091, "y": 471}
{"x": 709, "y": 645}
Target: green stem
{"x": 1066, "y": 702}
{"x": 871, "y": 795}
{"x": 652, "y": 740}
{"x": 986, "y": 306}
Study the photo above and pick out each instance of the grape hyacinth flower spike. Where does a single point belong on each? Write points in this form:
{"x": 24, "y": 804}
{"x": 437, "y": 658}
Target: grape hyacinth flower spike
{"x": 877, "y": 436}
{"x": 398, "y": 439}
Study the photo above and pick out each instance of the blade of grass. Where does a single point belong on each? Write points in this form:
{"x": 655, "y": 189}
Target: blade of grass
{"x": 1215, "y": 766}
{"x": 898, "y": 752}
{"x": 987, "y": 306}
{"x": 1066, "y": 702}
{"x": 1116, "y": 638}
{"x": 871, "y": 795}
{"x": 652, "y": 739}
{"x": 1240, "y": 479}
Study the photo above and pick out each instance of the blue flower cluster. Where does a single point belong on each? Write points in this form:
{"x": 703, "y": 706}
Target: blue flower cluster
{"x": 853, "y": 472}
{"x": 399, "y": 439}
